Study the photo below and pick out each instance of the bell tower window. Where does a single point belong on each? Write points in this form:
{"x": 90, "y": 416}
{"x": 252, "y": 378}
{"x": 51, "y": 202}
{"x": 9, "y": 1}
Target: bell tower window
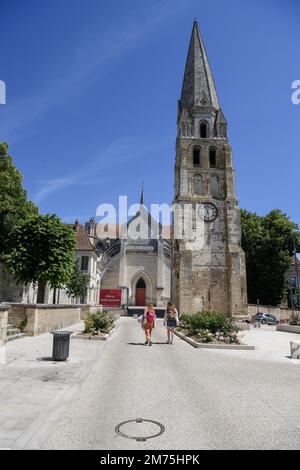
{"x": 212, "y": 158}
{"x": 196, "y": 157}
{"x": 203, "y": 130}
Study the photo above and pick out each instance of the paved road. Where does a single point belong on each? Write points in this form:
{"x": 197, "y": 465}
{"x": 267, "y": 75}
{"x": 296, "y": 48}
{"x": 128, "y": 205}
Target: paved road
{"x": 204, "y": 400}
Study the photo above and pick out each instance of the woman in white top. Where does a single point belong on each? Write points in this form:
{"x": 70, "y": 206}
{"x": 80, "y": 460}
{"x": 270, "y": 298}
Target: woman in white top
{"x": 171, "y": 320}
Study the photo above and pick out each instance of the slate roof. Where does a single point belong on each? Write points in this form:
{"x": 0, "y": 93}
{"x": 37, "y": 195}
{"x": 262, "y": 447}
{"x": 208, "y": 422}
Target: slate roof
{"x": 198, "y": 84}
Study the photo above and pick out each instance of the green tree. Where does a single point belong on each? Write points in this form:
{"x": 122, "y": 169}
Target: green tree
{"x": 77, "y": 284}
{"x": 41, "y": 250}
{"x": 14, "y": 205}
{"x": 268, "y": 242}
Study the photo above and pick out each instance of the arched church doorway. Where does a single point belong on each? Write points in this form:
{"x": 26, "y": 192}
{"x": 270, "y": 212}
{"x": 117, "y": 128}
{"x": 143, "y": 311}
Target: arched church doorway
{"x": 140, "y": 292}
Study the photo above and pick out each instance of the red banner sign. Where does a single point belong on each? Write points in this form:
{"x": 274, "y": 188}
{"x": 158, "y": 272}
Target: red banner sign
{"x": 110, "y": 297}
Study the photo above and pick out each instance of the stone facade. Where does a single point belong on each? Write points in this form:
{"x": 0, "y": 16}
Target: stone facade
{"x": 210, "y": 274}
{"x": 139, "y": 253}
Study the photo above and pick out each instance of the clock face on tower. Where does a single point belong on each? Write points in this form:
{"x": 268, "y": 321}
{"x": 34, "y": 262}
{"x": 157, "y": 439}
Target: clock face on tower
{"x": 208, "y": 211}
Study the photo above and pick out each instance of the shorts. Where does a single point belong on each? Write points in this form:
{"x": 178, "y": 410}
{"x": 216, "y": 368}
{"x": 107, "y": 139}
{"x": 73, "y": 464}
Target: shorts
{"x": 171, "y": 323}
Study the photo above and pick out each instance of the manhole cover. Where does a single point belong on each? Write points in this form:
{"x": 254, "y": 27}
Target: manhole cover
{"x": 140, "y": 429}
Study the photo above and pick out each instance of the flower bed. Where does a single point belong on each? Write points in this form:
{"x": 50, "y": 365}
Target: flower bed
{"x": 210, "y": 328}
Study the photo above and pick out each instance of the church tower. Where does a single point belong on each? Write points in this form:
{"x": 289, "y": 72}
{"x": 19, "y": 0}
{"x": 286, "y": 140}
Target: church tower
{"x": 212, "y": 275}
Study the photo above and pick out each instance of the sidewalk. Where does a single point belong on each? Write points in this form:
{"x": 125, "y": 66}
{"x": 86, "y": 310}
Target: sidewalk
{"x": 270, "y": 345}
{"x": 34, "y": 391}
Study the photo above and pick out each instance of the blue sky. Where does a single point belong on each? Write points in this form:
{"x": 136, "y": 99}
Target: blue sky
{"x": 92, "y": 90}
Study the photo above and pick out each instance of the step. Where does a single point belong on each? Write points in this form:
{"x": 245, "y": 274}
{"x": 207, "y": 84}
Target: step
{"x": 12, "y": 331}
{"x": 10, "y": 325}
{"x": 16, "y": 336}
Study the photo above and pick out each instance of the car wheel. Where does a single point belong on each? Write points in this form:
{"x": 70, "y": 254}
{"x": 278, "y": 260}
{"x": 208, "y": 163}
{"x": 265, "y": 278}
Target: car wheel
{"x": 263, "y": 322}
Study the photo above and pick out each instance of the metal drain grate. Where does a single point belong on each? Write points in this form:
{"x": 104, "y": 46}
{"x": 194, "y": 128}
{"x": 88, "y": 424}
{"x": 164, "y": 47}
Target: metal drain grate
{"x": 140, "y": 421}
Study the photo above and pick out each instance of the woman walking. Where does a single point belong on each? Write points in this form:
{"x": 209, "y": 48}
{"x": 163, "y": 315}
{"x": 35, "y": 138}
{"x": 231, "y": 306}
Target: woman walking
{"x": 171, "y": 320}
{"x": 148, "y": 323}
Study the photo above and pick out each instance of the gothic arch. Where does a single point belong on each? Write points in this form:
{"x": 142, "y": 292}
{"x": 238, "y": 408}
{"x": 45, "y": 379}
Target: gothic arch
{"x": 148, "y": 283}
{"x": 203, "y": 129}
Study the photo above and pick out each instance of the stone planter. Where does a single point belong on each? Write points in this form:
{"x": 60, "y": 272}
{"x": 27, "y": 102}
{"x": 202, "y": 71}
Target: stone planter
{"x": 195, "y": 344}
{"x": 105, "y": 337}
{"x": 288, "y": 328}
{"x": 295, "y": 349}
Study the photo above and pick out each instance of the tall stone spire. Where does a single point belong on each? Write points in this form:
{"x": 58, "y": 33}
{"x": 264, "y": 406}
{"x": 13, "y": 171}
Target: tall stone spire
{"x": 198, "y": 87}
{"x": 209, "y": 275}
{"x": 142, "y": 195}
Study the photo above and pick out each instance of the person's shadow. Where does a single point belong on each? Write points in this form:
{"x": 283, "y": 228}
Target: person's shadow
{"x": 143, "y": 344}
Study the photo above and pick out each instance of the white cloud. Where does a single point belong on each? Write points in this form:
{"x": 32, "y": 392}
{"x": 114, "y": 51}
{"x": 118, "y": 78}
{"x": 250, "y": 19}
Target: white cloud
{"x": 118, "y": 154}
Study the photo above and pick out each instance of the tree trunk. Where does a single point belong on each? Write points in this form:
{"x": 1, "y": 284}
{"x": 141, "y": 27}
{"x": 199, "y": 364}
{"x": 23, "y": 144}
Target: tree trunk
{"x": 54, "y": 296}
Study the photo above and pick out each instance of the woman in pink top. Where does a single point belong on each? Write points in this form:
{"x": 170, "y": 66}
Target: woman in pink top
{"x": 149, "y": 323}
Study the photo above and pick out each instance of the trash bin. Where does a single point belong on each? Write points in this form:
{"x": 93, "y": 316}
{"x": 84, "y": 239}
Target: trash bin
{"x": 61, "y": 345}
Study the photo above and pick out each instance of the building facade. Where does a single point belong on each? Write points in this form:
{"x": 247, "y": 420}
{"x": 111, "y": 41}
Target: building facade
{"x": 134, "y": 261}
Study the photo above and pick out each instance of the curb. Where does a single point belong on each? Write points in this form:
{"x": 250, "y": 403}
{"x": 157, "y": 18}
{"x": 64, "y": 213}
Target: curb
{"x": 213, "y": 346}
{"x": 95, "y": 337}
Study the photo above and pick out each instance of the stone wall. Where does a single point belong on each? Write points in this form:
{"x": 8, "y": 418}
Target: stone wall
{"x": 43, "y": 318}
{"x": 3, "y": 323}
{"x": 282, "y": 314}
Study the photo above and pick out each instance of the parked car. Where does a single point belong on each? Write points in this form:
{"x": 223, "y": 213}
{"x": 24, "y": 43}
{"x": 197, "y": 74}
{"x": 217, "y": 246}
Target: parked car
{"x": 266, "y": 318}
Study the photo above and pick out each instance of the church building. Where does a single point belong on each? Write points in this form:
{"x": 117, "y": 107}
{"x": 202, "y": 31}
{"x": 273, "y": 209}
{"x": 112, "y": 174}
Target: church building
{"x": 135, "y": 260}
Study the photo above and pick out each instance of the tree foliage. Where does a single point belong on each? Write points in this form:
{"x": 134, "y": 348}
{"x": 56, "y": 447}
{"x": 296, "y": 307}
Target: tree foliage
{"x": 77, "y": 284}
{"x": 268, "y": 242}
{"x": 41, "y": 250}
{"x": 14, "y": 205}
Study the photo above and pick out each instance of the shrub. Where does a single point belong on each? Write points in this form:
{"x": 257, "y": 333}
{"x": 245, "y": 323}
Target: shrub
{"x": 23, "y": 324}
{"x": 210, "y": 326}
{"x": 98, "y": 322}
{"x": 295, "y": 319}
